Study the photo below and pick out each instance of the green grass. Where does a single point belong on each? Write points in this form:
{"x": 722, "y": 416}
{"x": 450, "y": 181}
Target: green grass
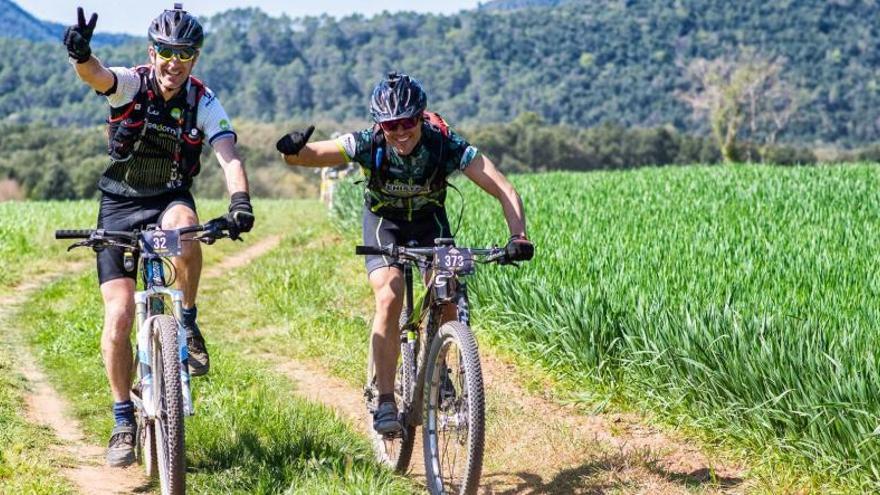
{"x": 27, "y": 245}
{"x": 251, "y": 433}
{"x": 27, "y": 463}
{"x": 739, "y": 302}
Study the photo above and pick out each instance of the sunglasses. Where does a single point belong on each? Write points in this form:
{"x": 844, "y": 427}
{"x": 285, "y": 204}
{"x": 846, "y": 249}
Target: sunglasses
{"x": 184, "y": 54}
{"x": 393, "y": 125}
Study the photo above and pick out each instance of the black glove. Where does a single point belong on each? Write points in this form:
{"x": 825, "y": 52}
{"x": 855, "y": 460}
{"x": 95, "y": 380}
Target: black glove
{"x": 77, "y": 38}
{"x": 241, "y": 213}
{"x": 519, "y": 248}
{"x": 291, "y": 144}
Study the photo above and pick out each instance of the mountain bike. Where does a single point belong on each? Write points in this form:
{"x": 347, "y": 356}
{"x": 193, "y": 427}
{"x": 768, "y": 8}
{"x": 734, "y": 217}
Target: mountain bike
{"x": 161, "y": 392}
{"x": 438, "y": 383}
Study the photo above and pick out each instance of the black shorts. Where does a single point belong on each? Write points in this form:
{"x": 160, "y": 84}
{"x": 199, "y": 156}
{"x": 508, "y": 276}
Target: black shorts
{"x": 122, "y": 213}
{"x": 381, "y": 231}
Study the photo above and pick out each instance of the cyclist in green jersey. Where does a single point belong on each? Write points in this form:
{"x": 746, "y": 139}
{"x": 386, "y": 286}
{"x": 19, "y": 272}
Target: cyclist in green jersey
{"x": 406, "y": 156}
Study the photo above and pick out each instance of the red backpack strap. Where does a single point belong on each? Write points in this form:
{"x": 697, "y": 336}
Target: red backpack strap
{"x": 200, "y": 89}
{"x": 435, "y": 120}
{"x": 144, "y": 95}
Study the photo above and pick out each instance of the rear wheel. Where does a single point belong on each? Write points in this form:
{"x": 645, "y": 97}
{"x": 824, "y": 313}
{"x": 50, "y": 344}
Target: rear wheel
{"x": 454, "y": 421}
{"x": 169, "y": 406}
{"x": 393, "y": 450}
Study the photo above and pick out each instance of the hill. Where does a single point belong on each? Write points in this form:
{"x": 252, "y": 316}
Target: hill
{"x": 580, "y": 64}
{"x": 15, "y": 22}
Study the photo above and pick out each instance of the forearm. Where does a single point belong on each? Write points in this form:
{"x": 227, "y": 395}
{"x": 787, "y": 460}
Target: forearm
{"x": 317, "y": 154}
{"x": 93, "y": 73}
{"x": 236, "y": 178}
{"x": 514, "y": 213}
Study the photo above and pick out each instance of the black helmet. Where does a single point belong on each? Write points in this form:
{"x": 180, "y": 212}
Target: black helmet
{"x": 176, "y": 27}
{"x": 397, "y": 97}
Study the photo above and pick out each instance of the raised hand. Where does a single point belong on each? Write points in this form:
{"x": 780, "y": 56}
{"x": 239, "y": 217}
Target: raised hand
{"x": 291, "y": 144}
{"x": 78, "y": 37}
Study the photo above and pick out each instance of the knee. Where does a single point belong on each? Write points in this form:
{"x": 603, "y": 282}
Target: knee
{"x": 118, "y": 318}
{"x": 176, "y": 218}
{"x": 387, "y": 298}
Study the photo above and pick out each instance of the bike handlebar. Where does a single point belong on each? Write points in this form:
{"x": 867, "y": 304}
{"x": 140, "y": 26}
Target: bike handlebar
{"x": 214, "y": 229}
{"x": 73, "y": 234}
{"x": 423, "y": 254}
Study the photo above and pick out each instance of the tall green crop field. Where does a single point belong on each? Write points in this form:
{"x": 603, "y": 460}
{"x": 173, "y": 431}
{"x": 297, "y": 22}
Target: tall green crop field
{"x": 744, "y": 300}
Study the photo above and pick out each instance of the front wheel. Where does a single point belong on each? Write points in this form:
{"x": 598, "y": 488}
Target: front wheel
{"x": 454, "y": 413}
{"x": 168, "y": 398}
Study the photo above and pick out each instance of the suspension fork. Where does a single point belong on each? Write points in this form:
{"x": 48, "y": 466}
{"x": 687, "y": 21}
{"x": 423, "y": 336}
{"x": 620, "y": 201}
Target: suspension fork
{"x": 461, "y": 303}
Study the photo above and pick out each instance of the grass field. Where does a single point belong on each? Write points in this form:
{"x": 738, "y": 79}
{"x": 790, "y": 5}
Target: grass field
{"x": 251, "y": 433}
{"x": 742, "y": 300}
{"x": 739, "y": 301}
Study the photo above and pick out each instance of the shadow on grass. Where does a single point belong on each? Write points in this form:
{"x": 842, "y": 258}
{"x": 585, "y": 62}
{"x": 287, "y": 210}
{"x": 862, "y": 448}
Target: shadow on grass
{"x": 697, "y": 478}
{"x": 599, "y": 477}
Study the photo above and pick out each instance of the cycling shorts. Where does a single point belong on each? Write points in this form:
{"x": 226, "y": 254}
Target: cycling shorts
{"x": 381, "y": 231}
{"x": 122, "y": 213}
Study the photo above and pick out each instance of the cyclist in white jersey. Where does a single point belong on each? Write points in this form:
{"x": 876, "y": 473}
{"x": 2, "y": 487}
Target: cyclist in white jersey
{"x": 159, "y": 118}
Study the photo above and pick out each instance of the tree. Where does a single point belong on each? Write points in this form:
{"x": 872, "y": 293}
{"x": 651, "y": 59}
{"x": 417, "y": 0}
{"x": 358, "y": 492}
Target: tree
{"x": 747, "y": 89}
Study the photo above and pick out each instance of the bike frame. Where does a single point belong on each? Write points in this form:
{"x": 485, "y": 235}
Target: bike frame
{"x": 150, "y": 303}
{"x": 444, "y": 287}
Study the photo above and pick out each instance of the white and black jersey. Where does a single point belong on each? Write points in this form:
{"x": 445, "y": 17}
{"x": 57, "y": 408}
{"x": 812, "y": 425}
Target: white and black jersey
{"x": 154, "y": 167}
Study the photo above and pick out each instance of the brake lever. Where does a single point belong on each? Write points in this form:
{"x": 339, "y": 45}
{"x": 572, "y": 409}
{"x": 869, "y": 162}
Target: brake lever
{"x": 206, "y": 238}
{"x": 75, "y": 245}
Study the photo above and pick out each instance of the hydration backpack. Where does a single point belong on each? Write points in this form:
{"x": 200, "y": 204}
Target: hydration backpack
{"x": 127, "y": 125}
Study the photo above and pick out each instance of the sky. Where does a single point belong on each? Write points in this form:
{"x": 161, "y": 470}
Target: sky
{"x": 135, "y": 16}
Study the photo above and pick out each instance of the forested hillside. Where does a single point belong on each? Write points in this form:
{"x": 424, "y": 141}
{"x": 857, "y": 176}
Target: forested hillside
{"x": 15, "y": 22}
{"x": 581, "y": 63}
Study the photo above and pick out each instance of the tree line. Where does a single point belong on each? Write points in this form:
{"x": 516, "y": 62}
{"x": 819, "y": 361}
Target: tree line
{"x": 578, "y": 64}
{"x": 38, "y": 161}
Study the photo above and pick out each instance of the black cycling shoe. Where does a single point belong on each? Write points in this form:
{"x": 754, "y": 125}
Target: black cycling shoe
{"x": 385, "y": 420}
{"x": 198, "y": 360}
{"x": 120, "y": 450}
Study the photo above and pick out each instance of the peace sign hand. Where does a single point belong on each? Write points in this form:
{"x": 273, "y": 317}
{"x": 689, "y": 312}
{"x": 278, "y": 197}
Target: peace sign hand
{"x": 77, "y": 38}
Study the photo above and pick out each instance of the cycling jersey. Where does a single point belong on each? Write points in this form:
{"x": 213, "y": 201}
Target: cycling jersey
{"x": 152, "y": 169}
{"x": 410, "y": 188}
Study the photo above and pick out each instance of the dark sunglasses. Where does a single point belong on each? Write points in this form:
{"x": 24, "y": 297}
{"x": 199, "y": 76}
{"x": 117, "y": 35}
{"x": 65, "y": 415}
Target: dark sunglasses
{"x": 393, "y": 125}
{"x": 184, "y": 54}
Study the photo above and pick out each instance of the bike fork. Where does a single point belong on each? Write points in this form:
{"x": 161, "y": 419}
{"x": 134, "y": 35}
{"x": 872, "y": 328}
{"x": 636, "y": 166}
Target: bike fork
{"x": 183, "y": 353}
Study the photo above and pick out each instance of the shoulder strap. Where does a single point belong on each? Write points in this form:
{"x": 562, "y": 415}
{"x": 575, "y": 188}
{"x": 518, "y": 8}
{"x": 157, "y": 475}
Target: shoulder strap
{"x": 378, "y": 162}
{"x": 438, "y": 123}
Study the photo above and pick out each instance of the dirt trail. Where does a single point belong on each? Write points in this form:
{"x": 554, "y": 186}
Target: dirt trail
{"x": 537, "y": 446}
{"x": 86, "y": 467}
{"x": 243, "y": 257}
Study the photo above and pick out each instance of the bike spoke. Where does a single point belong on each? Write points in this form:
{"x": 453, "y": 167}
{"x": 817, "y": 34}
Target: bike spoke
{"x": 453, "y": 427}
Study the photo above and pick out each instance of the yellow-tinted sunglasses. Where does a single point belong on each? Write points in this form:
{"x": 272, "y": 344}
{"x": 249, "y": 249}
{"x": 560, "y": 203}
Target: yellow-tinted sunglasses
{"x": 184, "y": 53}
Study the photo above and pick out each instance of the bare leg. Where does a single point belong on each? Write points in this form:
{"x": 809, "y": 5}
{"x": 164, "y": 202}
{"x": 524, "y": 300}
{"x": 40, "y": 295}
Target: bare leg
{"x": 189, "y": 264}
{"x": 118, "y": 297}
{"x": 387, "y": 286}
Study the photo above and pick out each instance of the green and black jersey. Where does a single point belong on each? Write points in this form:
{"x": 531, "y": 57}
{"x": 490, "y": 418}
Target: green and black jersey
{"x": 408, "y": 187}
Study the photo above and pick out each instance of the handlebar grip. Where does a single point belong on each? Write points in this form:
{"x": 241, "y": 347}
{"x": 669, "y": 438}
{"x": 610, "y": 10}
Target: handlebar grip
{"x": 73, "y": 234}
{"x": 367, "y": 250}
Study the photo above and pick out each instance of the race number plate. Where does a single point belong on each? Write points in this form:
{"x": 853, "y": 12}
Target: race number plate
{"x": 162, "y": 243}
{"x": 454, "y": 259}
